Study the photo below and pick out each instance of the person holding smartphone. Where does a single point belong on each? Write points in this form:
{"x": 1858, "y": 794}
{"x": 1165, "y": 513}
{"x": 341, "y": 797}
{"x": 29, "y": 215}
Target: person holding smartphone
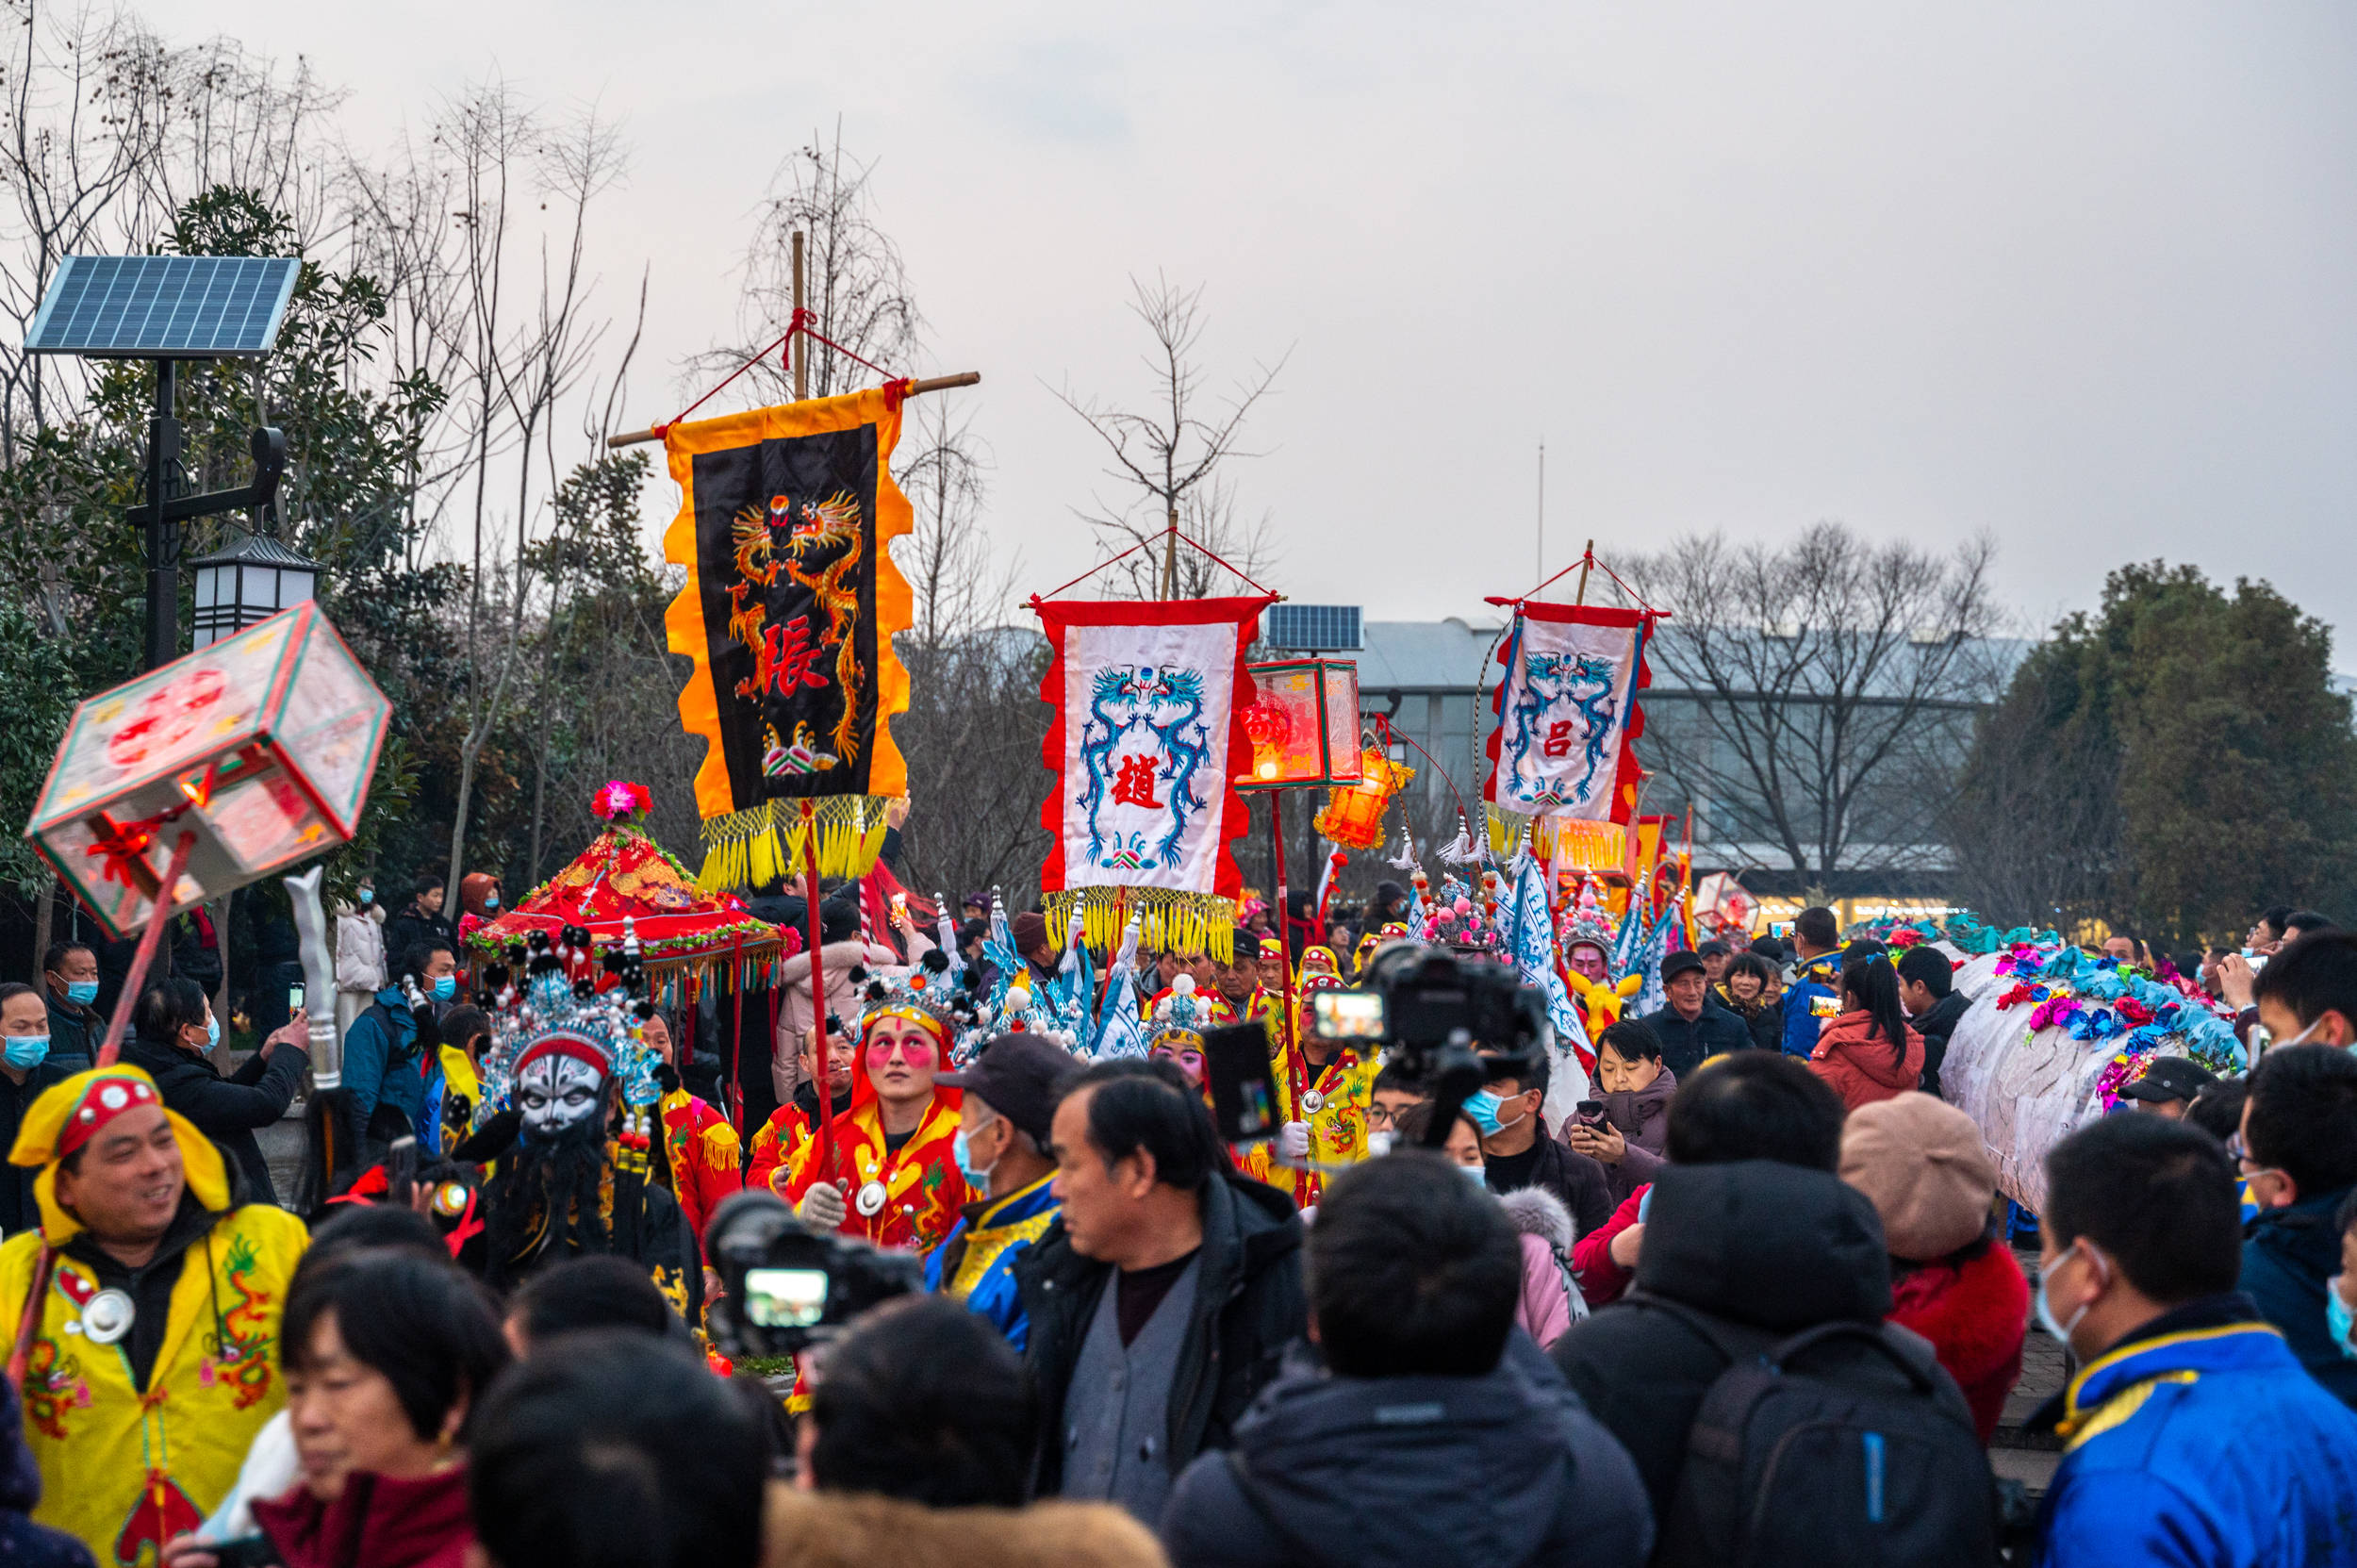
{"x": 1627, "y": 1130}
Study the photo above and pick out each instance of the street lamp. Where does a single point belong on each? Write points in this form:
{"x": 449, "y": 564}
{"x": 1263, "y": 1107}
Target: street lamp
{"x": 252, "y": 580}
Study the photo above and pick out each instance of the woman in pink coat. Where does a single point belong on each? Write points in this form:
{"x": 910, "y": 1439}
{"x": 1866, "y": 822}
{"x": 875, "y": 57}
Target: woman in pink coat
{"x": 1868, "y": 1053}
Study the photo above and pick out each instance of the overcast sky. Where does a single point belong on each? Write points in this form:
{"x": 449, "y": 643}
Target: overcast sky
{"x": 2083, "y": 276}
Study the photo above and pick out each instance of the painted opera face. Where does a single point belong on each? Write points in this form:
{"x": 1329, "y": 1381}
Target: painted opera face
{"x": 557, "y": 1093}
{"x": 1586, "y": 961}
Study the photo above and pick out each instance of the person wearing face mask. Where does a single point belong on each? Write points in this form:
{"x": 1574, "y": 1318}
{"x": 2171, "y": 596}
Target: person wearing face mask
{"x": 1549, "y": 1299}
{"x": 2192, "y": 1433}
{"x": 77, "y": 1027}
{"x": 2297, "y": 1150}
{"x": 1009, "y": 1108}
{"x": 1518, "y": 1153}
{"x": 27, "y": 1068}
{"x": 385, "y": 1082}
{"x": 478, "y": 902}
{"x": 359, "y": 954}
{"x": 178, "y": 1031}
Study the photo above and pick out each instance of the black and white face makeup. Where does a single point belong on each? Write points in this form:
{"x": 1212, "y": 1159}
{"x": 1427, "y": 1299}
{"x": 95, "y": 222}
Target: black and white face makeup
{"x": 555, "y": 1093}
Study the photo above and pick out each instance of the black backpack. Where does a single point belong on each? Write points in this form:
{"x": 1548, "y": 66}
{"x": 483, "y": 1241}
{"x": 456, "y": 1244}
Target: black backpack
{"x": 1802, "y": 1454}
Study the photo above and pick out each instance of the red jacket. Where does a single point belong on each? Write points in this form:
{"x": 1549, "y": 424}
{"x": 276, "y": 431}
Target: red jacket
{"x": 375, "y": 1522}
{"x": 1856, "y": 1063}
{"x": 1975, "y": 1312}
{"x": 1600, "y": 1279}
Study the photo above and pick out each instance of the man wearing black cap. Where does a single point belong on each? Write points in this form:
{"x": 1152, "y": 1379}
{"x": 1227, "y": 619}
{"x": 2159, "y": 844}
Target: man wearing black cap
{"x": 2167, "y": 1086}
{"x": 1692, "y": 1025}
{"x": 1011, "y": 1091}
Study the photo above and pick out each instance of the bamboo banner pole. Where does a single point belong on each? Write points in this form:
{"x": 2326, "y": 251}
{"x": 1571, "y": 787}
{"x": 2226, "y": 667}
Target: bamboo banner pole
{"x": 158, "y": 917}
{"x": 930, "y": 384}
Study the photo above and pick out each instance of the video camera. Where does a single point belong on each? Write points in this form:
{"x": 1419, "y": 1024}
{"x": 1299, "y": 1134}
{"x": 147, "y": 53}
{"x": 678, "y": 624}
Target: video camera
{"x": 790, "y": 1287}
{"x": 1452, "y": 1023}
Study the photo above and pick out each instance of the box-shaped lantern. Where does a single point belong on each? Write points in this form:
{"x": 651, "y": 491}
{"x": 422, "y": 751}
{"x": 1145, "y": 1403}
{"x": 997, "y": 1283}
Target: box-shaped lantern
{"x": 1303, "y": 724}
{"x": 261, "y": 744}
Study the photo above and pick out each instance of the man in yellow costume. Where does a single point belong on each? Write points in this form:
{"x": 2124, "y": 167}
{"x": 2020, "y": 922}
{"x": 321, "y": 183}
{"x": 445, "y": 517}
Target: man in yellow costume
{"x": 154, "y": 1357}
{"x": 1323, "y": 1089}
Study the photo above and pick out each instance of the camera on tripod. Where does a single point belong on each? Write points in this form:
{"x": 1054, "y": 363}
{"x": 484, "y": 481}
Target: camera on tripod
{"x": 1452, "y": 1023}
{"x": 789, "y": 1287}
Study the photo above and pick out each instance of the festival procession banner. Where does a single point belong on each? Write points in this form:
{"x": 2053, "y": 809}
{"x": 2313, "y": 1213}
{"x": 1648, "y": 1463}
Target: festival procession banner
{"x": 1562, "y": 754}
{"x": 1144, "y": 746}
{"x": 789, "y": 611}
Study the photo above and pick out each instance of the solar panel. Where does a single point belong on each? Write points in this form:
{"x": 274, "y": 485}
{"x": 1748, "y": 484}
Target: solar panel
{"x": 164, "y": 307}
{"x": 1314, "y": 628}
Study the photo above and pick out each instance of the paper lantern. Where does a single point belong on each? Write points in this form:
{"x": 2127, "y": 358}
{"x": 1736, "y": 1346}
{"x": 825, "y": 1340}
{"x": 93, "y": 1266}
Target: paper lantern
{"x": 1353, "y": 817}
{"x": 1303, "y": 724}
{"x": 261, "y": 744}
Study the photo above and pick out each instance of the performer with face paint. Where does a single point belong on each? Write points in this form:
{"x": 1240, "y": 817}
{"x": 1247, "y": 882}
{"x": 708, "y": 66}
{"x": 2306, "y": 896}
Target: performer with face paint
{"x": 895, "y": 1180}
{"x": 586, "y": 1172}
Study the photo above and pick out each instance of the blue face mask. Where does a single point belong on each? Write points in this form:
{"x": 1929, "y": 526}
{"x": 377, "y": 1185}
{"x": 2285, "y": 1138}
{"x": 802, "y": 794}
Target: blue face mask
{"x": 963, "y": 1153}
{"x": 2046, "y": 1318}
{"x": 81, "y": 993}
{"x": 1473, "y": 1174}
{"x": 30, "y": 1050}
{"x": 446, "y": 988}
{"x": 368, "y": 897}
{"x": 1482, "y": 1106}
{"x": 2337, "y": 1318}
{"x": 212, "y": 1031}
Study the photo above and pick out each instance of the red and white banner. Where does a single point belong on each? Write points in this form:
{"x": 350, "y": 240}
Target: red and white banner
{"x": 1144, "y": 745}
{"x": 1567, "y": 713}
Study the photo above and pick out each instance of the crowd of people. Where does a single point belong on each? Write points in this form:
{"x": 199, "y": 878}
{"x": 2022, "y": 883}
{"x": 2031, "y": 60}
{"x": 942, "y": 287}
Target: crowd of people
{"x": 1752, "y": 1300}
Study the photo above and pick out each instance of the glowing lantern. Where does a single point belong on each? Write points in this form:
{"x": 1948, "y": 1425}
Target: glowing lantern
{"x": 1353, "y": 817}
{"x": 1303, "y": 724}
{"x": 261, "y": 744}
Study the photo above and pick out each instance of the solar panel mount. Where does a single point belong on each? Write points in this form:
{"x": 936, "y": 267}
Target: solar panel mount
{"x": 164, "y": 307}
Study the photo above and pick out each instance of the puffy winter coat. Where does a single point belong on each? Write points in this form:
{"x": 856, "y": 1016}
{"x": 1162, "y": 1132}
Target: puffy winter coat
{"x": 1767, "y": 1248}
{"x": 836, "y": 961}
{"x": 1549, "y": 1299}
{"x": 360, "y": 951}
{"x": 1856, "y": 1062}
{"x": 830, "y": 1530}
{"x": 1501, "y": 1470}
{"x": 1974, "y": 1307}
{"x": 2287, "y": 1255}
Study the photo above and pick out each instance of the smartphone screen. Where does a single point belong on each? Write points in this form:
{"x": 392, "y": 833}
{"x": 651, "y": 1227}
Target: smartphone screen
{"x": 400, "y": 1172}
{"x": 1244, "y": 1096}
{"x": 786, "y": 1297}
{"x": 294, "y": 999}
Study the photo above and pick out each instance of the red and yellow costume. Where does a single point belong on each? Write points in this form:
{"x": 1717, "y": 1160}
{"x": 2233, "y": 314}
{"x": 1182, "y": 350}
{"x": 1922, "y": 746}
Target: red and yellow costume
{"x": 916, "y": 1190}
{"x": 1331, "y": 1098}
{"x": 704, "y": 1151}
{"x": 775, "y": 1144}
{"x": 122, "y": 1468}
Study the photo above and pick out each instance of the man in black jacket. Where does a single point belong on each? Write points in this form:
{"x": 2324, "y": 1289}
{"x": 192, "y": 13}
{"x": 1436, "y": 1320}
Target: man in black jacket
{"x": 171, "y": 1044}
{"x": 1516, "y": 1151}
{"x": 1163, "y": 1295}
{"x": 1692, "y": 1023}
{"x": 1927, "y": 991}
{"x": 1748, "y": 1224}
{"x": 1436, "y": 1432}
{"x": 26, "y": 1069}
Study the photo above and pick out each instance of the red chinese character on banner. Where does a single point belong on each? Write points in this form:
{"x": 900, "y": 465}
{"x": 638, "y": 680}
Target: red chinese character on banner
{"x": 787, "y": 660}
{"x": 1134, "y": 785}
{"x": 1558, "y": 742}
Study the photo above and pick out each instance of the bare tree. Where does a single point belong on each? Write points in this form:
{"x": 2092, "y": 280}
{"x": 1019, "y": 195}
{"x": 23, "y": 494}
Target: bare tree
{"x": 855, "y": 284}
{"x": 2036, "y": 828}
{"x": 1169, "y": 459}
{"x": 1828, "y": 680}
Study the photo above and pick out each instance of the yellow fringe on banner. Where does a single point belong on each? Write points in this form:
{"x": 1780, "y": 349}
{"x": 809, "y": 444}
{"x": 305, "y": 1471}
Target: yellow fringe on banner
{"x": 1168, "y": 921}
{"x": 1589, "y": 846}
{"x": 751, "y": 849}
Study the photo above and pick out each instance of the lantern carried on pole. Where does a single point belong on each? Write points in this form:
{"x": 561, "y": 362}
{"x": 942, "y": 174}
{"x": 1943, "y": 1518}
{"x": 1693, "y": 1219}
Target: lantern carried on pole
{"x": 1303, "y": 724}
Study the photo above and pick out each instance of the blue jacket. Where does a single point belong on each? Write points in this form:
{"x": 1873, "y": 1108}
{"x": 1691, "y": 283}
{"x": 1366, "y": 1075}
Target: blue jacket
{"x": 977, "y": 1258}
{"x": 382, "y": 1066}
{"x": 2206, "y": 1447}
{"x": 1812, "y": 979}
{"x": 2287, "y": 1255}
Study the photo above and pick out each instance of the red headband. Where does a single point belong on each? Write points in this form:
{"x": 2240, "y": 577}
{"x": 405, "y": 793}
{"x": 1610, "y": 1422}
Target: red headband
{"x": 102, "y": 1102}
{"x": 579, "y": 1048}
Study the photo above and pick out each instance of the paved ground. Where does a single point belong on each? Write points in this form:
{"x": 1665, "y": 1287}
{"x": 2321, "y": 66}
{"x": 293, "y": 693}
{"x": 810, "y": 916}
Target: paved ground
{"x": 2031, "y": 1458}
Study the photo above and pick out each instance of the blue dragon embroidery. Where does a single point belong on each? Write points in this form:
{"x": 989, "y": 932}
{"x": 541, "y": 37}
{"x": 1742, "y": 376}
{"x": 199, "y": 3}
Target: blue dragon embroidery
{"x": 1168, "y": 704}
{"x": 1586, "y": 683}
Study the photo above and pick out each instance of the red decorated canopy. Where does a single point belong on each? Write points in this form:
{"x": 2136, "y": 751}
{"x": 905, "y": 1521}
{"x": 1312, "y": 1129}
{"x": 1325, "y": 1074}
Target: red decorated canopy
{"x": 625, "y": 875}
